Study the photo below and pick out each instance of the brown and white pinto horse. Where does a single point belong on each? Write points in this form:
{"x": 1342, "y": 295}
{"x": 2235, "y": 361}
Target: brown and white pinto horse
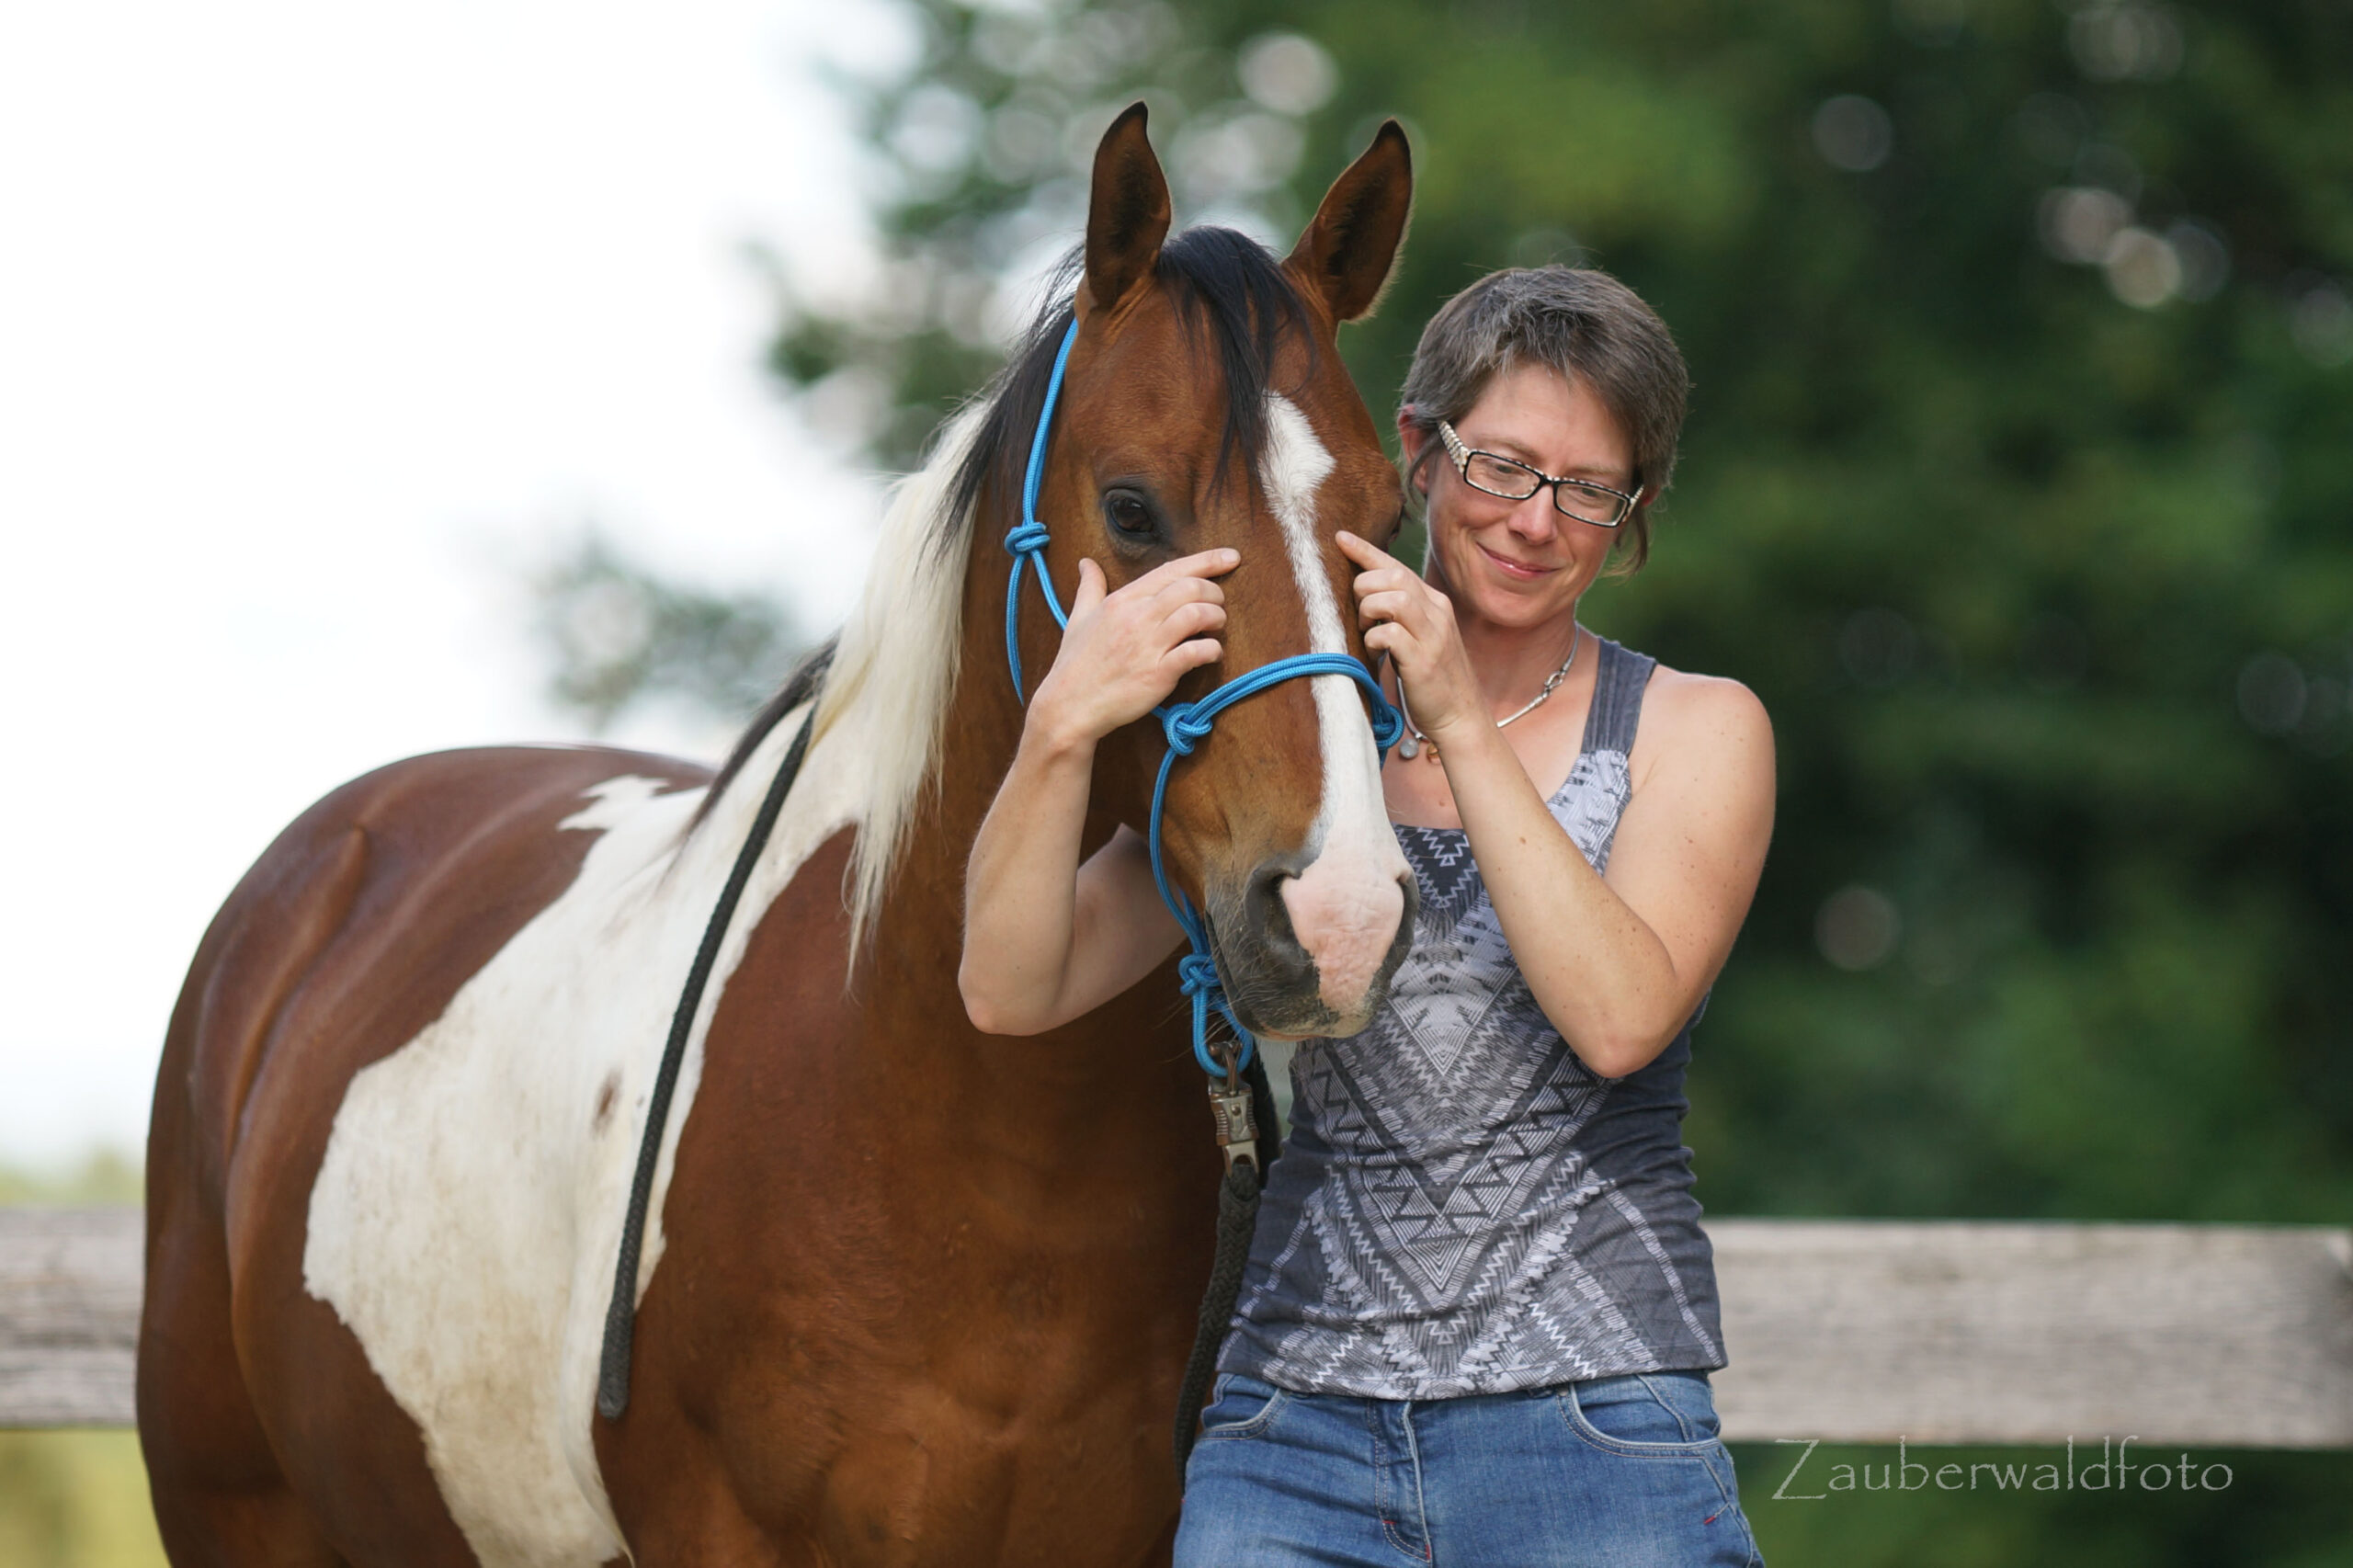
{"x": 909, "y": 1293}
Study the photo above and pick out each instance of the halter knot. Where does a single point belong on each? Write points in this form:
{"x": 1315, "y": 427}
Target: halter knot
{"x": 1388, "y": 723}
{"x": 1185, "y": 725}
{"x": 1196, "y": 974}
{"x": 1028, "y": 537}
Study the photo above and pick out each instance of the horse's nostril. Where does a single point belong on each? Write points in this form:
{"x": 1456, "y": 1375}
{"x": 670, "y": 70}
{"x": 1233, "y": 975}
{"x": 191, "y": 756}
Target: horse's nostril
{"x": 1269, "y": 913}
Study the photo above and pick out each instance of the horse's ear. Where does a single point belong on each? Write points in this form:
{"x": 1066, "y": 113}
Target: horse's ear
{"x": 1346, "y": 254}
{"x": 1127, "y": 211}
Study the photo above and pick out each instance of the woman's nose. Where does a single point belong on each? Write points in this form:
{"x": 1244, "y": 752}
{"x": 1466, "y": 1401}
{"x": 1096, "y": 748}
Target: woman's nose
{"x": 1534, "y": 519}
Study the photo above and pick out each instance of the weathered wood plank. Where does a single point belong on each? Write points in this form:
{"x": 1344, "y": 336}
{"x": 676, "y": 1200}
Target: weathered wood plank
{"x": 69, "y": 1315}
{"x": 1853, "y": 1331}
{"x": 1861, "y": 1331}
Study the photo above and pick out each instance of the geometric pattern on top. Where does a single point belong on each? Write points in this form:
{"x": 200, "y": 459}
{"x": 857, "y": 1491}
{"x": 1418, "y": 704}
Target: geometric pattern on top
{"x": 1423, "y": 1242}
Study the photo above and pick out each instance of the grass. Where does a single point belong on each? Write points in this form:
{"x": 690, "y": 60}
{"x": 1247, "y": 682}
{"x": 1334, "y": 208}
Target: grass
{"x": 75, "y": 1499}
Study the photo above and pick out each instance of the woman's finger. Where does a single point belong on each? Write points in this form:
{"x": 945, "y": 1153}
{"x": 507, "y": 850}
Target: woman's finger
{"x": 1203, "y": 564}
{"x": 1191, "y": 655}
{"x": 1363, "y": 551}
{"x": 1186, "y": 619}
{"x": 1388, "y": 607}
{"x": 1089, "y": 592}
{"x": 1386, "y": 582}
{"x": 1190, "y": 590}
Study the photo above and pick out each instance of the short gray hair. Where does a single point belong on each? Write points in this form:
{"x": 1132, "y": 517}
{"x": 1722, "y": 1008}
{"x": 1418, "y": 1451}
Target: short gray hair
{"x": 1577, "y": 321}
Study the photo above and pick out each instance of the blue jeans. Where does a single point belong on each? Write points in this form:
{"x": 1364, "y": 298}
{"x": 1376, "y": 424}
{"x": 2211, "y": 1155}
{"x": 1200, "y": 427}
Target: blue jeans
{"x": 1613, "y": 1472}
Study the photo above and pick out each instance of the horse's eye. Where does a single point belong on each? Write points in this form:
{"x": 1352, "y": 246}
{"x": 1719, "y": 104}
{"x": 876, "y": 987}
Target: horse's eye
{"x": 1127, "y": 511}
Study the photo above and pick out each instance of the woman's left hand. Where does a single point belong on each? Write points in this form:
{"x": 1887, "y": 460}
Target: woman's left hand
{"x": 1404, "y": 617}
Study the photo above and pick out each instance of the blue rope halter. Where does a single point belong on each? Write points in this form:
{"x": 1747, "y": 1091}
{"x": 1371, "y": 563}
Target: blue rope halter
{"x": 1186, "y": 725}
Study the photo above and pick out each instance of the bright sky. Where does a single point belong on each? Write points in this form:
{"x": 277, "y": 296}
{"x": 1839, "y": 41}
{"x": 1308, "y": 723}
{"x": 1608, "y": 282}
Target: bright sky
{"x": 319, "y": 325}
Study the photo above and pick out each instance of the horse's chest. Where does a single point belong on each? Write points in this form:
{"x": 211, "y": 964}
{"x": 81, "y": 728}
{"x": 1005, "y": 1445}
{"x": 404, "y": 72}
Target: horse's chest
{"x": 921, "y": 1477}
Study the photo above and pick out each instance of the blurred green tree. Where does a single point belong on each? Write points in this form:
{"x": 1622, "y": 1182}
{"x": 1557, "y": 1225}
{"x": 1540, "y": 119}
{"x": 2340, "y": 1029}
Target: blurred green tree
{"x": 2018, "y": 483}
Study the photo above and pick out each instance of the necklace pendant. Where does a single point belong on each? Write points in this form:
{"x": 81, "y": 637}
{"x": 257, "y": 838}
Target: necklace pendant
{"x": 1407, "y": 746}
{"x": 1429, "y": 749}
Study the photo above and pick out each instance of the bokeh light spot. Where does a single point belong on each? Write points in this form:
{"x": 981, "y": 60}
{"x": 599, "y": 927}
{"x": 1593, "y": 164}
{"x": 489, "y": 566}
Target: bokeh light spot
{"x": 1853, "y": 133}
{"x": 2078, "y": 222}
{"x": 1287, "y": 73}
{"x": 1857, "y": 927}
{"x": 2271, "y": 693}
{"x": 2142, "y": 268}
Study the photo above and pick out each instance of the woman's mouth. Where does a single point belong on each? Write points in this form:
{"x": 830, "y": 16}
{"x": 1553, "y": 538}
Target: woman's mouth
{"x": 1517, "y": 570}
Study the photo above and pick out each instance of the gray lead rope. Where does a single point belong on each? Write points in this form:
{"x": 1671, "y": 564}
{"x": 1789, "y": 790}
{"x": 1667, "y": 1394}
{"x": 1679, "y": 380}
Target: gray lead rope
{"x": 621, "y": 1318}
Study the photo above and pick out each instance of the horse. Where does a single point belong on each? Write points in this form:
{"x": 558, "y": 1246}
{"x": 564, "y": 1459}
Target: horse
{"x": 908, "y": 1293}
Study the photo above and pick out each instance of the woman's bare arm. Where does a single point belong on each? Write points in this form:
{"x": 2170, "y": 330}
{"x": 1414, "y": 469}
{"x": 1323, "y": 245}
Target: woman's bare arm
{"x": 1047, "y": 940}
{"x": 1618, "y": 963}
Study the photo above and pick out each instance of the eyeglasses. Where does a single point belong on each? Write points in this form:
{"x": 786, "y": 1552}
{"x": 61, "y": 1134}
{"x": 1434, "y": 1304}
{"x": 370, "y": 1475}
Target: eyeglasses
{"x": 1578, "y": 498}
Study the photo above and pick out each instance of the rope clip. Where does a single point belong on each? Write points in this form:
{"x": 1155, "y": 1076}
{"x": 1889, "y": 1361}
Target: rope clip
{"x": 1231, "y": 1108}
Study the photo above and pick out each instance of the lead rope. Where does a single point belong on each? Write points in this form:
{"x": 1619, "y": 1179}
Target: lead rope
{"x": 1240, "y": 1100}
{"x": 1237, "y": 1218}
{"x": 620, "y": 1315}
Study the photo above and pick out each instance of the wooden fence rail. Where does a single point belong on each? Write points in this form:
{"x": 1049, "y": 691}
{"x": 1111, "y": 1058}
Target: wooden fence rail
{"x": 69, "y": 1315}
{"x": 1849, "y": 1330}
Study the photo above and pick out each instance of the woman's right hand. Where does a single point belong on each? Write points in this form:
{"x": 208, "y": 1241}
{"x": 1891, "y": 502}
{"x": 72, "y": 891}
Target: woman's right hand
{"x": 1123, "y": 652}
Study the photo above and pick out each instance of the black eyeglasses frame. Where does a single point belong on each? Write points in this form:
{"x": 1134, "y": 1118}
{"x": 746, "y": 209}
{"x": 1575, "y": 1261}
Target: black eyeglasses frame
{"x": 1462, "y": 452}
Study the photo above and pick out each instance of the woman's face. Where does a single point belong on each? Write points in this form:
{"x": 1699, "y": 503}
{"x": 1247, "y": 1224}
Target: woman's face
{"x": 1523, "y": 563}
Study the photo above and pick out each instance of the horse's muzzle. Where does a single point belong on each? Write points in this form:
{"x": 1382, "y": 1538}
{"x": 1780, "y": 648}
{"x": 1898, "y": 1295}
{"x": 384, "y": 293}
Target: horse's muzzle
{"x": 1301, "y": 955}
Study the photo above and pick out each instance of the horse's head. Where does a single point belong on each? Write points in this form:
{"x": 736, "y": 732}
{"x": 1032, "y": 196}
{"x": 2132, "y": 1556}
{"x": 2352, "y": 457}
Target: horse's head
{"x": 1206, "y": 404}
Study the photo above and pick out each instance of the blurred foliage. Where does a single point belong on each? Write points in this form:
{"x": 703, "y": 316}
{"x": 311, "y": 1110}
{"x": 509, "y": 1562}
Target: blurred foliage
{"x": 2017, "y": 483}
{"x": 620, "y": 635}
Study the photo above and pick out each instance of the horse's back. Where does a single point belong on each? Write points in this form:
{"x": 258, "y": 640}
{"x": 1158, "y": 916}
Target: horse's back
{"x": 358, "y": 933}
{"x": 382, "y": 898}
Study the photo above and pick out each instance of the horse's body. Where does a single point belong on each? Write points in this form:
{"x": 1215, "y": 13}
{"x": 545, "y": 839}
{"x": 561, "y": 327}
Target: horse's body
{"x": 910, "y": 1293}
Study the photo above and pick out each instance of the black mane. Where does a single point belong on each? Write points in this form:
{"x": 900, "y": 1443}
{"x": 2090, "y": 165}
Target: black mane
{"x": 1226, "y": 284}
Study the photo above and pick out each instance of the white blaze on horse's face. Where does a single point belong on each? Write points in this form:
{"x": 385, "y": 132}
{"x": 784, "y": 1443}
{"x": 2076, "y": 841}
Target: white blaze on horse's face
{"x": 1345, "y": 903}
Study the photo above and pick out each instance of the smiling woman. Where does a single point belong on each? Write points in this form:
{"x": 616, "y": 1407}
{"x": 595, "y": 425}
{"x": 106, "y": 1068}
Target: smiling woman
{"x": 1480, "y": 1243}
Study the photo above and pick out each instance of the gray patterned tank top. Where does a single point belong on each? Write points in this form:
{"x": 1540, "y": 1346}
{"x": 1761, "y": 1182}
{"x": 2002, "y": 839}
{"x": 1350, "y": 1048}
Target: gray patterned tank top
{"x": 1463, "y": 1206}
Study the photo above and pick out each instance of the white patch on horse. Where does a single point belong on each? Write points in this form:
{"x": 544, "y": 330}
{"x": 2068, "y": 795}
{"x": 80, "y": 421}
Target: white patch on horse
{"x": 1345, "y": 903}
{"x": 468, "y": 1211}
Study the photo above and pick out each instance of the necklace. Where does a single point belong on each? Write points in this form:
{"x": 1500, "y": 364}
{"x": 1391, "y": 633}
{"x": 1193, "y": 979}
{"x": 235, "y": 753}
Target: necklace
{"x": 1416, "y": 742}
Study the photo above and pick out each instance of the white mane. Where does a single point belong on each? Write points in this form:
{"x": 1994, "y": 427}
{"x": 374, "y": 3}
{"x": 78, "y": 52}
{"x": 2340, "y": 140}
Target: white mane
{"x": 894, "y": 668}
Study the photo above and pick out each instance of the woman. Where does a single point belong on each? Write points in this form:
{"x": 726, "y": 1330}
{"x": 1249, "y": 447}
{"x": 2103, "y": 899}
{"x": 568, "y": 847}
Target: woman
{"x": 1479, "y": 1311}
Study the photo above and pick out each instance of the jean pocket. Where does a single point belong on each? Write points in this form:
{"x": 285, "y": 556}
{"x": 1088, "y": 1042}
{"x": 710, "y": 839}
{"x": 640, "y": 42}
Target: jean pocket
{"x": 1643, "y": 1413}
{"x": 1240, "y": 1406}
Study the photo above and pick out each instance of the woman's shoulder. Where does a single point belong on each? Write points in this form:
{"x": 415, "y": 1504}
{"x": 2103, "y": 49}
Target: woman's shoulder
{"x": 1698, "y": 718}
